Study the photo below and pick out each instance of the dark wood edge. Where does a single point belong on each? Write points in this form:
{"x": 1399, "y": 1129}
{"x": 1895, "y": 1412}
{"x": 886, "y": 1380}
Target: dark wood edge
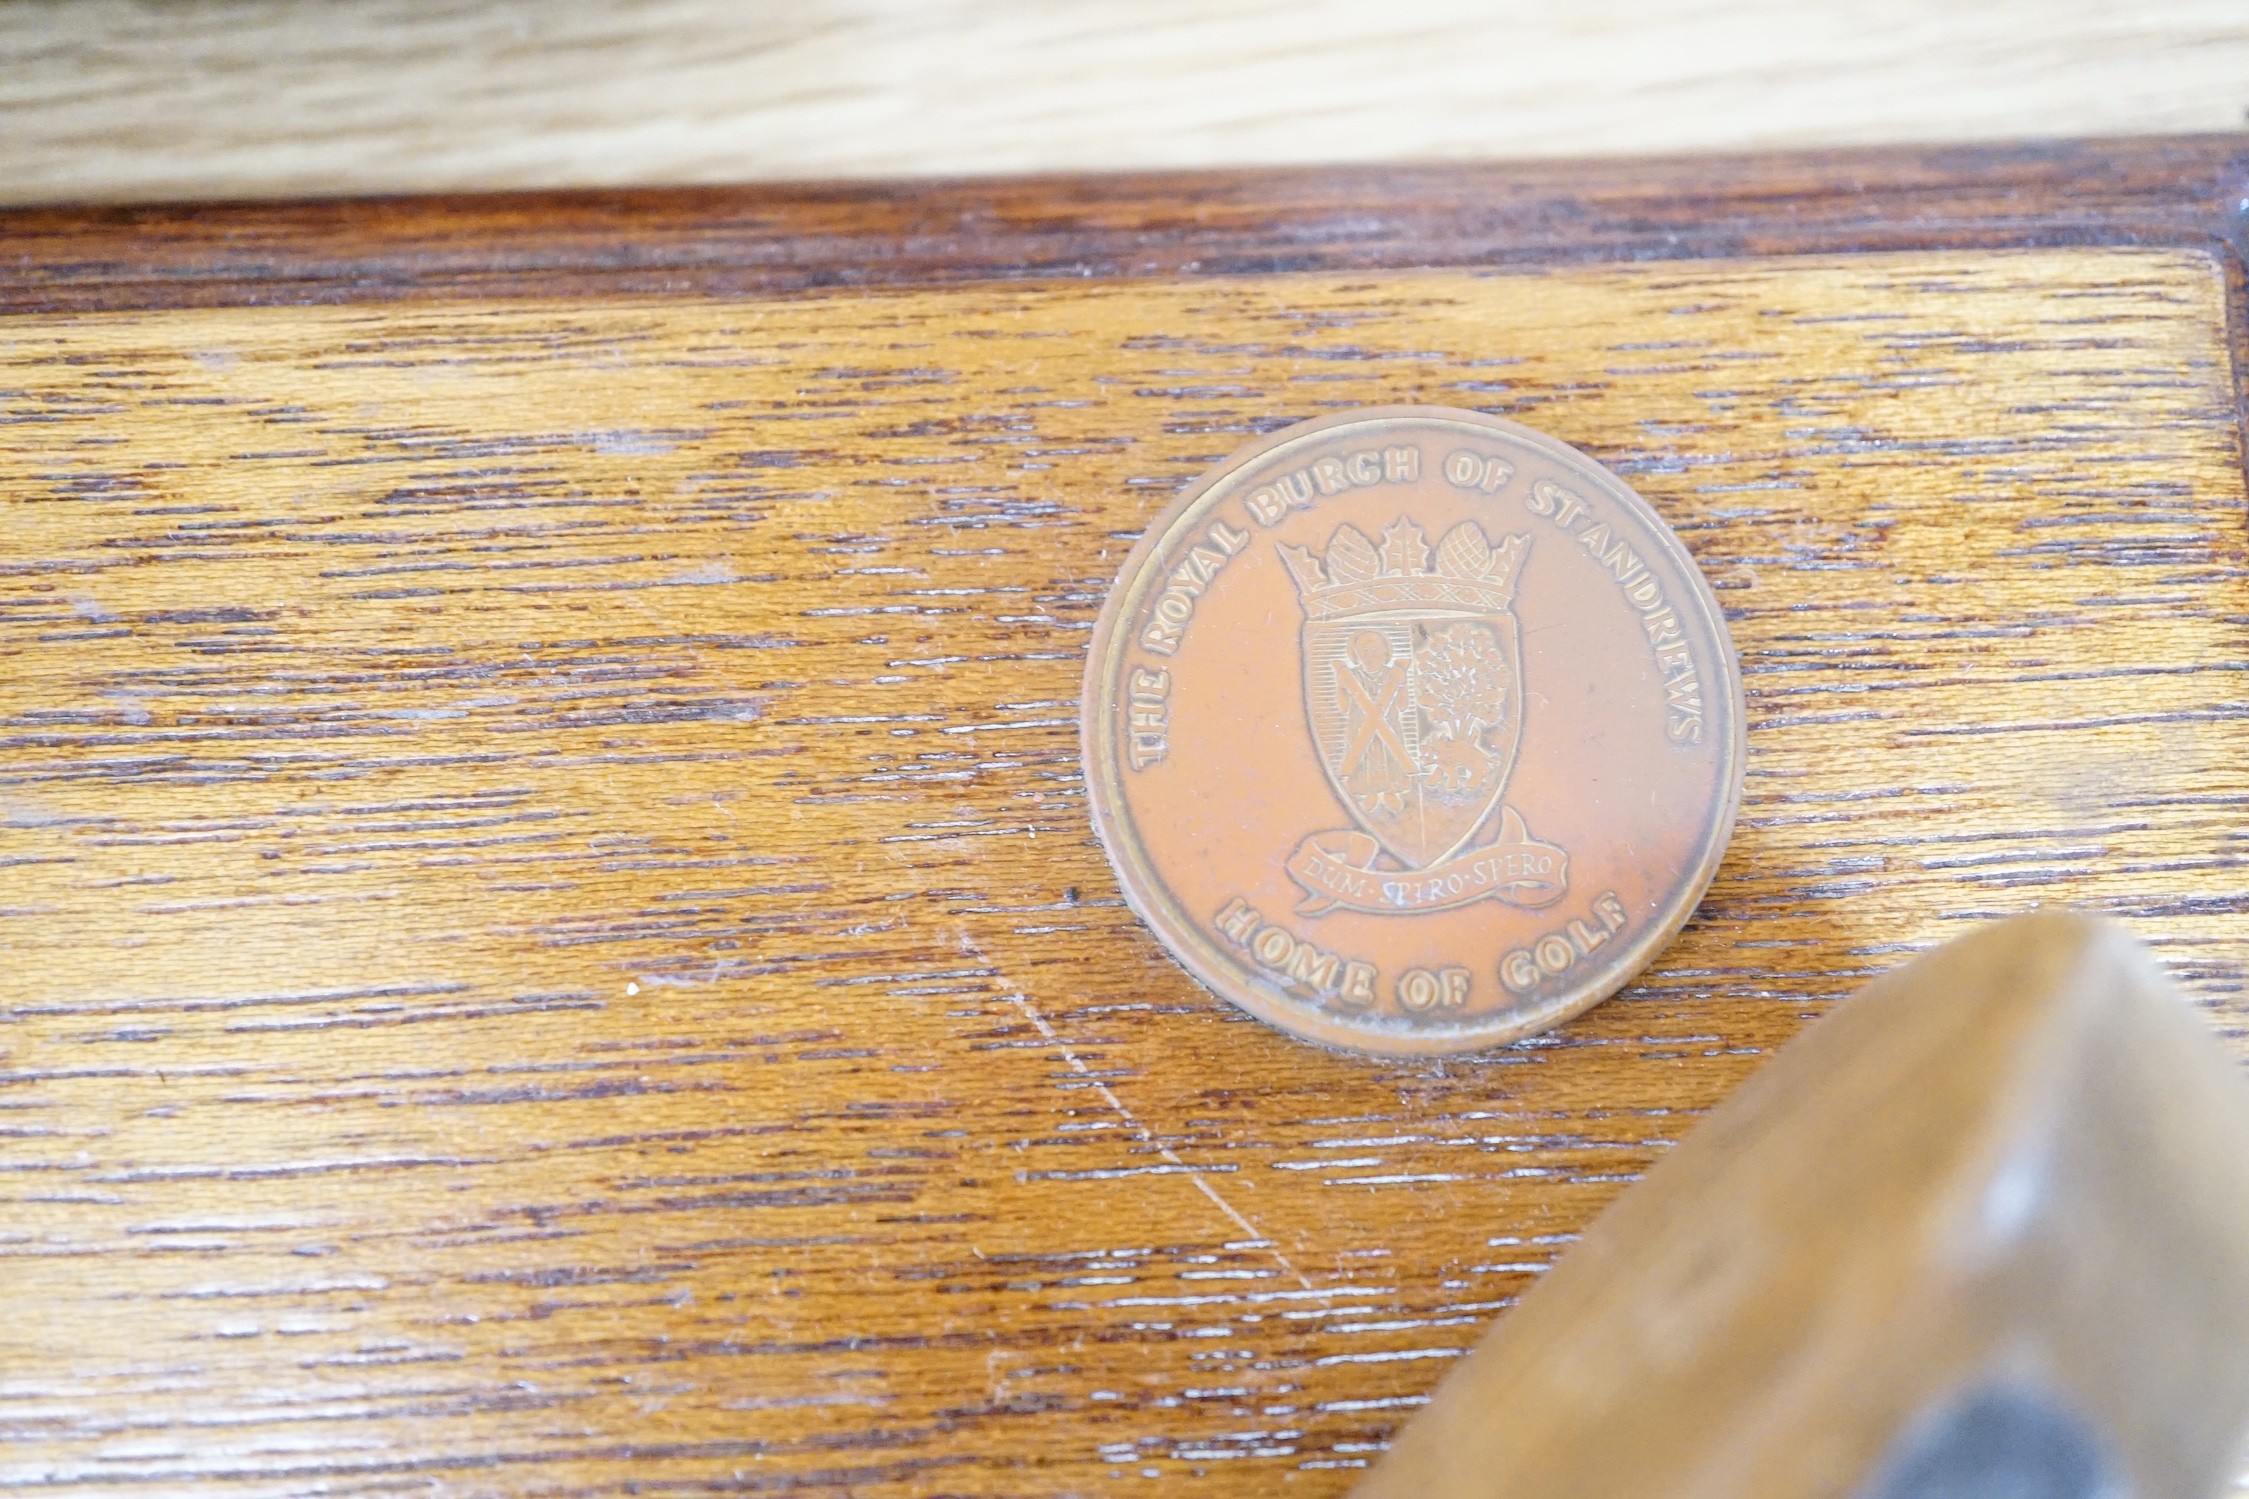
{"x": 2180, "y": 191}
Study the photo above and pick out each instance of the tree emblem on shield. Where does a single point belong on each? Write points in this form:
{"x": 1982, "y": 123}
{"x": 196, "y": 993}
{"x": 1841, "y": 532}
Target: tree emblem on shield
{"x": 1413, "y": 690}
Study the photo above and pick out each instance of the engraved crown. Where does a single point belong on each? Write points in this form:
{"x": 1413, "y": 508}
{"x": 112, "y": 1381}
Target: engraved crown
{"x": 1356, "y": 577}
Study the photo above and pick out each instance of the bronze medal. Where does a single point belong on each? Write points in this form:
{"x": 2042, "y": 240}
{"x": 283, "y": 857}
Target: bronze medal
{"x": 1412, "y": 730}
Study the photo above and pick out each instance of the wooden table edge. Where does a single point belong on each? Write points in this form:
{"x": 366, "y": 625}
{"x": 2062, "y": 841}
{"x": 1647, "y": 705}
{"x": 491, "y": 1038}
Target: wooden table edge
{"x": 2186, "y": 192}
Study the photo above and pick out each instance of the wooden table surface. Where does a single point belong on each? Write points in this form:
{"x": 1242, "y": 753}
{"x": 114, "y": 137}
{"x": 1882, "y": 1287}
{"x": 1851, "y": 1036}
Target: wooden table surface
{"x": 554, "y": 941}
{"x": 116, "y": 100}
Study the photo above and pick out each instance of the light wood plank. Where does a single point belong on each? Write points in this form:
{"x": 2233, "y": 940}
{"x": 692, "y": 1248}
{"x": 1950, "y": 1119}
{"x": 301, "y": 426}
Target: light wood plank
{"x": 112, "y": 100}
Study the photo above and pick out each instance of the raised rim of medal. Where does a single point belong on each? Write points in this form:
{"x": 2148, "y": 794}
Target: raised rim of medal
{"x": 1150, "y": 896}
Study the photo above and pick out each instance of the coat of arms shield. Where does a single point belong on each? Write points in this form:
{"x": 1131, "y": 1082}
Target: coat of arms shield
{"x": 1413, "y": 691}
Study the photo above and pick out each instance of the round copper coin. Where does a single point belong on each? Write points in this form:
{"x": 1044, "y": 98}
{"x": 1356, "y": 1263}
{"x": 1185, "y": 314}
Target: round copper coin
{"x": 1412, "y": 730}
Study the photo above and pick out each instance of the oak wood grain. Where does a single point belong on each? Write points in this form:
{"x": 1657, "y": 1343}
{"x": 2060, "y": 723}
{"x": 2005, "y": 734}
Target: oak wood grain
{"x": 554, "y": 943}
{"x": 112, "y": 100}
